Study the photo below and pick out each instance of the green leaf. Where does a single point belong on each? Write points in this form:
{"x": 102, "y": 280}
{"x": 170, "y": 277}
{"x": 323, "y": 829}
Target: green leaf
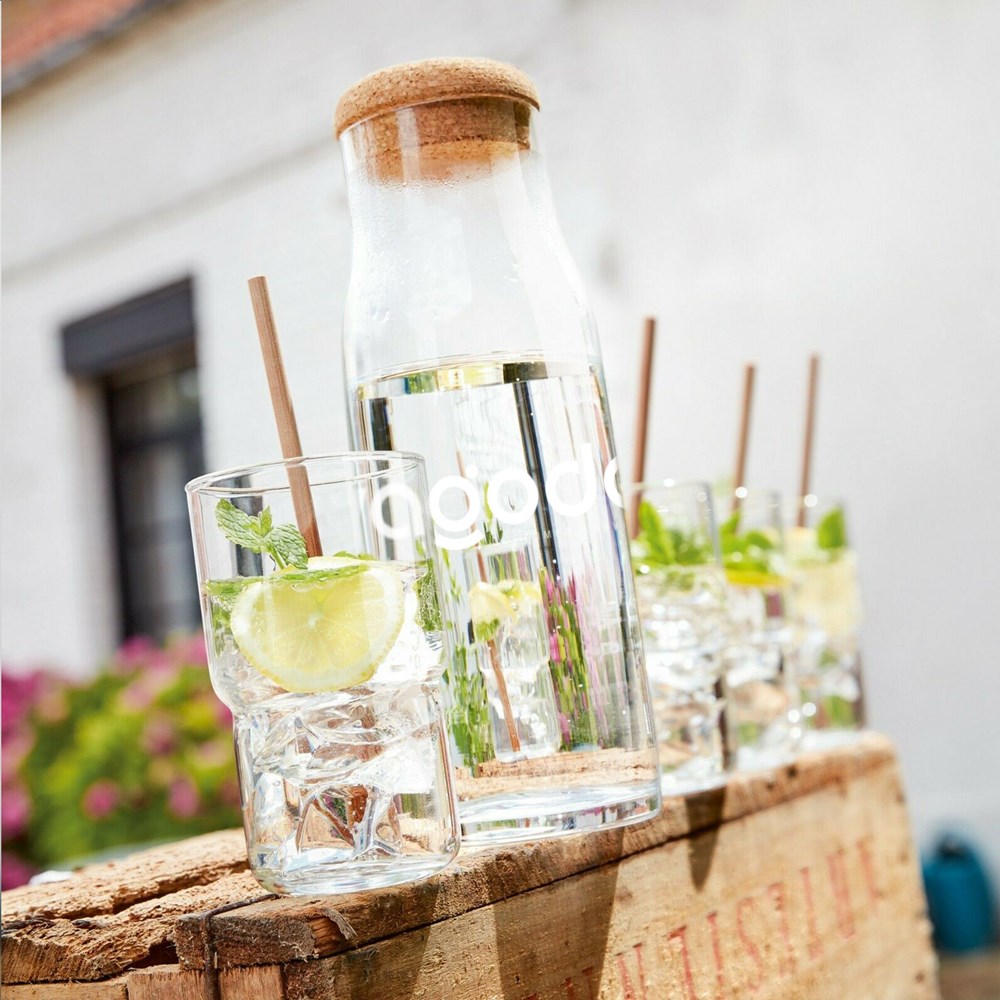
{"x": 428, "y": 610}
{"x": 240, "y": 528}
{"x": 287, "y": 546}
{"x": 316, "y": 575}
{"x": 284, "y": 542}
{"x": 758, "y": 540}
{"x": 655, "y": 535}
{"x": 831, "y": 532}
{"x": 225, "y": 592}
{"x": 485, "y": 631}
{"x": 264, "y": 523}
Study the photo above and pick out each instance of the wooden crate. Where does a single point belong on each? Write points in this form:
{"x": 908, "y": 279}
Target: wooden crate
{"x": 795, "y": 883}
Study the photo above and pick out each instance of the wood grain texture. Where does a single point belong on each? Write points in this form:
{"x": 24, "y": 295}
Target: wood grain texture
{"x": 171, "y": 982}
{"x": 101, "y": 946}
{"x": 114, "y": 885}
{"x": 112, "y": 989}
{"x": 289, "y": 929}
{"x": 817, "y": 899}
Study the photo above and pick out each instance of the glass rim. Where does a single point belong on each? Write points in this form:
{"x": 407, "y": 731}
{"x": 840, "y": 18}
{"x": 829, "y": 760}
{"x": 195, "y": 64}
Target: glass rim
{"x": 209, "y": 483}
{"x": 819, "y": 500}
{"x": 774, "y": 495}
{"x": 650, "y": 485}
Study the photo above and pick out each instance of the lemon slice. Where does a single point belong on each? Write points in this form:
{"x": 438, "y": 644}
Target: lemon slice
{"x": 322, "y": 635}
{"x": 488, "y": 604}
{"x": 521, "y": 593}
{"x": 753, "y": 578}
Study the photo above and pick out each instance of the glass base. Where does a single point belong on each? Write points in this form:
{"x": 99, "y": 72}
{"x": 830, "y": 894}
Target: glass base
{"x": 336, "y": 877}
{"x": 504, "y": 819}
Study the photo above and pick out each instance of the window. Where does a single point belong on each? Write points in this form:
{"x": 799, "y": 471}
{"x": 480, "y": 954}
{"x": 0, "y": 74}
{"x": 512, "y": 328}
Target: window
{"x": 142, "y": 355}
{"x": 154, "y": 425}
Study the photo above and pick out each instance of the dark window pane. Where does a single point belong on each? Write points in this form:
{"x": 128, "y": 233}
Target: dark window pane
{"x": 155, "y": 428}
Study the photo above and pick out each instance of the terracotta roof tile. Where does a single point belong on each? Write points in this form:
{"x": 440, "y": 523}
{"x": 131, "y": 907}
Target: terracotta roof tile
{"x": 41, "y": 34}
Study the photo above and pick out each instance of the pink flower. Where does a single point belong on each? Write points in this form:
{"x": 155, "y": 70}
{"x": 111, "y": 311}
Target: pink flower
{"x": 101, "y": 798}
{"x": 554, "y": 652}
{"x": 159, "y": 736}
{"x": 189, "y": 649}
{"x": 15, "y": 872}
{"x": 15, "y": 748}
{"x": 15, "y": 808}
{"x": 183, "y": 799}
{"x": 17, "y": 692}
{"x": 143, "y": 691}
{"x": 133, "y": 653}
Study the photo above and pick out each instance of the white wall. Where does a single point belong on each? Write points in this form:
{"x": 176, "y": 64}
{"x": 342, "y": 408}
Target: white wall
{"x": 769, "y": 178}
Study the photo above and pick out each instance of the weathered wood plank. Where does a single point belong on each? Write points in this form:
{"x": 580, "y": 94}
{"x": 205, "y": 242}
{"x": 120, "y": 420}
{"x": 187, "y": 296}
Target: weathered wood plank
{"x": 171, "y": 982}
{"x": 166, "y": 982}
{"x": 262, "y": 982}
{"x": 816, "y": 898}
{"x": 282, "y": 930}
{"x": 115, "y": 885}
{"x": 104, "y": 945}
{"x": 111, "y": 989}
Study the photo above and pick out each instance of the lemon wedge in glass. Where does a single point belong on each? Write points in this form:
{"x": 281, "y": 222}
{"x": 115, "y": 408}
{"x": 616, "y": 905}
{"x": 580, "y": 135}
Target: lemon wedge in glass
{"x": 321, "y": 634}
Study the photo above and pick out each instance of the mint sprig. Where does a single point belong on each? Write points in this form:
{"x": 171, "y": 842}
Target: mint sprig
{"x": 752, "y": 551}
{"x": 283, "y": 542}
{"x": 660, "y": 546}
{"x": 831, "y": 532}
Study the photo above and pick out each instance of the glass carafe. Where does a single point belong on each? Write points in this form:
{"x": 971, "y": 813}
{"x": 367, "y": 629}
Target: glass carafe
{"x": 468, "y": 338}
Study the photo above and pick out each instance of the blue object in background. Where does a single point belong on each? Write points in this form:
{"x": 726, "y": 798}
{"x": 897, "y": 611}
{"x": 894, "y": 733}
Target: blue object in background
{"x": 959, "y": 896}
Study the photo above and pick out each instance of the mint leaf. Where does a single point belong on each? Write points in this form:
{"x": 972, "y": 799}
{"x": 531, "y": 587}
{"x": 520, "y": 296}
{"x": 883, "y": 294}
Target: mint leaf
{"x": 831, "y": 532}
{"x": 283, "y": 543}
{"x": 485, "y": 631}
{"x": 287, "y": 546}
{"x": 240, "y": 528}
{"x": 264, "y": 523}
{"x": 662, "y": 548}
{"x": 758, "y": 540}
{"x": 428, "y": 615}
{"x": 315, "y": 575}
{"x": 655, "y": 535}
{"x": 225, "y": 592}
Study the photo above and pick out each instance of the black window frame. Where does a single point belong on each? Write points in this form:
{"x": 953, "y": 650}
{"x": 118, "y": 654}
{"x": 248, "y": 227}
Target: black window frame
{"x": 107, "y": 347}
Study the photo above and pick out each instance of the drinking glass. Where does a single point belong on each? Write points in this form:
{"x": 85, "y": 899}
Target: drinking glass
{"x": 759, "y": 675}
{"x": 827, "y": 618}
{"x": 683, "y": 610}
{"x": 331, "y": 667}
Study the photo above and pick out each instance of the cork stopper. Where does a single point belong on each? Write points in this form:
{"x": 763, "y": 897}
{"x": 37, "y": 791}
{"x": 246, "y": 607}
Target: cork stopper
{"x": 431, "y": 80}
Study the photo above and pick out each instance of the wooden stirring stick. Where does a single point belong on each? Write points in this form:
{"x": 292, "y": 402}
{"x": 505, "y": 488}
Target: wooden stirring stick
{"x": 744, "y": 440}
{"x": 807, "y": 444}
{"x": 642, "y": 422}
{"x": 284, "y": 415}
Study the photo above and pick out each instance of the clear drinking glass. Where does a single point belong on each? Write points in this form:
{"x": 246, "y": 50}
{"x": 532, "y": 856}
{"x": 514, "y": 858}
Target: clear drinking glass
{"x": 683, "y": 608}
{"x": 827, "y": 618}
{"x": 759, "y": 675}
{"x": 331, "y": 667}
{"x": 468, "y": 338}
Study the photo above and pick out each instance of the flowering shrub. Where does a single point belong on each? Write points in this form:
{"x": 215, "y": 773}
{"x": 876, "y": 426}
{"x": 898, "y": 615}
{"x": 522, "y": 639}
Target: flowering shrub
{"x": 139, "y": 753}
